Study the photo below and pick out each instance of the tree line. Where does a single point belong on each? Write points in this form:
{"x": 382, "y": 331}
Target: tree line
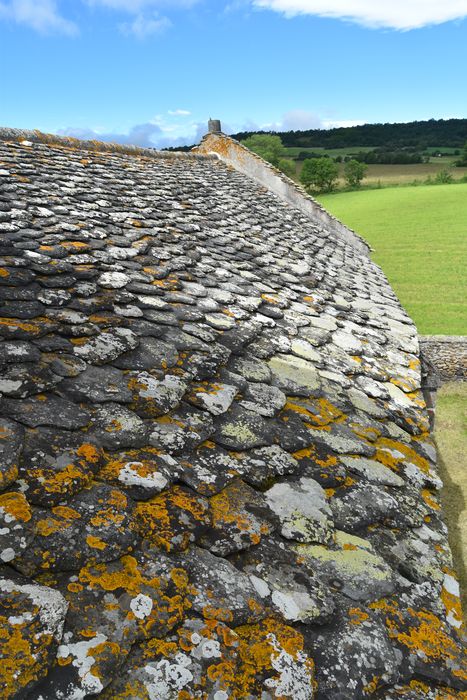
{"x": 419, "y": 135}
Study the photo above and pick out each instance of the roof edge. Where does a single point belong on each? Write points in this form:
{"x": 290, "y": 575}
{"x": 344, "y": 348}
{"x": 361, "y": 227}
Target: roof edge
{"x": 241, "y": 158}
{"x": 36, "y": 136}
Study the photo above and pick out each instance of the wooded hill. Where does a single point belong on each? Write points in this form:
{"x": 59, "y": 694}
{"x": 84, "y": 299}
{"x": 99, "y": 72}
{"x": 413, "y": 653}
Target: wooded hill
{"x": 448, "y": 133}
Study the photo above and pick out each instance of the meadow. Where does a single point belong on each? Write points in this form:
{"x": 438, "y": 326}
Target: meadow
{"x": 419, "y": 237}
{"x": 391, "y": 175}
{"x": 387, "y": 175}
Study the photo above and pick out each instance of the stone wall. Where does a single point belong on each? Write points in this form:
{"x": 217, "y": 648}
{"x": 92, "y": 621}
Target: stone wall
{"x": 247, "y": 162}
{"x": 448, "y": 354}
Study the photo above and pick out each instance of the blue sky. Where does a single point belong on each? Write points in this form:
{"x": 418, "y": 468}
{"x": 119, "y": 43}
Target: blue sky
{"x": 152, "y": 72}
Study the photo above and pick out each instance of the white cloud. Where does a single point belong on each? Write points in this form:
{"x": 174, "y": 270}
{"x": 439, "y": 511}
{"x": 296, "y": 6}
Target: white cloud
{"x": 342, "y": 123}
{"x": 143, "y": 26}
{"x": 179, "y": 112}
{"x": 395, "y": 14}
{"x": 300, "y": 120}
{"x": 147, "y": 135}
{"x": 40, "y": 15}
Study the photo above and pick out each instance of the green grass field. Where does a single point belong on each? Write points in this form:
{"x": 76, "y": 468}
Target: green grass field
{"x": 419, "y": 236}
{"x": 451, "y": 440}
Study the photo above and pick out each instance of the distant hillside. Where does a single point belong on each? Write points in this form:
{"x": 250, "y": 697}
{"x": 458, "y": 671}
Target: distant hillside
{"x": 448, "y": 133}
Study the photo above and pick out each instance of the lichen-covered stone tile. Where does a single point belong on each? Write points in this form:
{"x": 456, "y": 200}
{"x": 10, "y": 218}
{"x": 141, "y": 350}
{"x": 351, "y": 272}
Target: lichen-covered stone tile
{"x": 217, "y": 476}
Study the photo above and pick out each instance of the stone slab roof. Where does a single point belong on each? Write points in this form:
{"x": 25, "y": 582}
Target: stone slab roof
{"x": 217, "y": 478}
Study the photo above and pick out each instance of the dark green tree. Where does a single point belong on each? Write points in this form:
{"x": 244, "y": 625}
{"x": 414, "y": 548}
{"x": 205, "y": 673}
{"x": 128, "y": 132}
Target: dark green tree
{"x": 267, "y": 146}
{"x": 354, "y": 172}
{"x": 319, "y": 174}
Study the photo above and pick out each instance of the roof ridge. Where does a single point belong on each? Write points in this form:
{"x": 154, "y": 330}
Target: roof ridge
{"x": 36, "y": 136}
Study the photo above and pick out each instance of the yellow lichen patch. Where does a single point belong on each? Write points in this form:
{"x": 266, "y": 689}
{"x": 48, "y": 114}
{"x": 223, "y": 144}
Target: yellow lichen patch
{"x": 4, "y": 273}
{"x": 49, "y": 526}
{"x": 269, "y": 299}
{"x": 422, "y": 632}
{"x": 423, "y": 690}
{"x": 372, "y": 686}
{"x": 89, "y": 452}
{"x": 429, "y": 498}
{"x": 113, "y": 512}
{"x": 64, "y": 481}
{"x": 20, "y": 658}
{"x": 169, "y": 519}
{"x": 323, "y": 412}
{"x": 313, "y": 454}
{"x": 115, "y": 426}
{"x": 228, "y": 508}
{"x": 66, "y": 513}
{"x": 14, "y": 324}
{"x": 362, "y": 431}
{"x": 16, "y": 505}
{"x": 169, "y": 600}
{"x": 211, "y": 612}
{"x": 391, "y": 453}
{"x": 357, "y": 616}
{"x": 103, "y": 654}
{"x": 263, "y": 648}
{"x": 95, "y": 542}
{"x": 77, "y": 245}
{"x": 170, "y": 284}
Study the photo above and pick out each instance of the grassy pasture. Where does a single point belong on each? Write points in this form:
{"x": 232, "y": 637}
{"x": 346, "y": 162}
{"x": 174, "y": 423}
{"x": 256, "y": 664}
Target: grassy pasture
{"x": 389, "y": 175}
{"x": 419, "y": 236}
{"x": 404, "y": 174}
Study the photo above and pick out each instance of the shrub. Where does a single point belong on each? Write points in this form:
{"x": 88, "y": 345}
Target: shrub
{"x": 354, "y": 173}
{"x": 443, "y": 177}
{"x": 320, "y": 174}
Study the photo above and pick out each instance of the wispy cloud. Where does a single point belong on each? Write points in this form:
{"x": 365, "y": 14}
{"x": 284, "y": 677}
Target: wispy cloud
{"x": 397, "y": 14}
{"x": 297, "y": 120}
{"x": 41, "y": 15}
{"x": 146, "y": 135}
{"x": 143, "y": 26}
{"x": 146, "y": 20}
{"x": 179, "y": 112}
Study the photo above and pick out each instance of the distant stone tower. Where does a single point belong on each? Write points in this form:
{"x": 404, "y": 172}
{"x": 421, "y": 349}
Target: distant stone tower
{"x": 214, "y": 126}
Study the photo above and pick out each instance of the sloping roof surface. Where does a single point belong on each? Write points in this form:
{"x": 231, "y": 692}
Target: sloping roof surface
{"x": 217, "y": 476}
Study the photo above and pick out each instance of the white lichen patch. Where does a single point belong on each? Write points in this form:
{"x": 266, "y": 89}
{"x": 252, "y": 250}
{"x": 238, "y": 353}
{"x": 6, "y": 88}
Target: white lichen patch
{"x": 217, "y": 401}
{"x": 168, "y": 679}
{"x": 130, "y": 476}
{"x": 294, "y": 678}
{"x": 141, "y": 606}
{"x": 52, "y": 606}
{"x": 113, "y": 280}
{"x": 83, "y": 661}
